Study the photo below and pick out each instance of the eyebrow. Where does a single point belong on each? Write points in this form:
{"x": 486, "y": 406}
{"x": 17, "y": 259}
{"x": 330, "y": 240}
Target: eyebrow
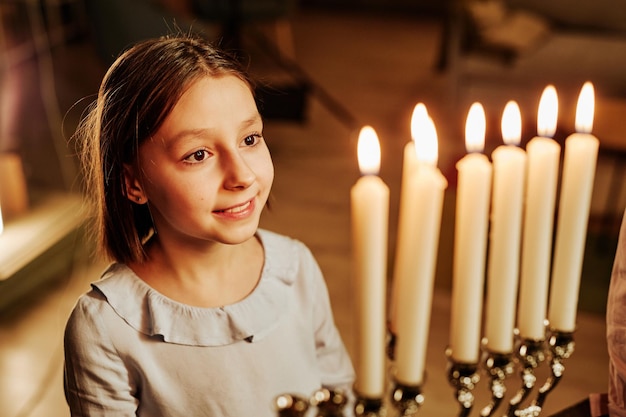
{"x": 195, "y": 133}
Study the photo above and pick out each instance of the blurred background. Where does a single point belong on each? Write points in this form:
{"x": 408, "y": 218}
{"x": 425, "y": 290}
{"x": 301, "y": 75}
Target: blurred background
{"x": 326, "y": 68}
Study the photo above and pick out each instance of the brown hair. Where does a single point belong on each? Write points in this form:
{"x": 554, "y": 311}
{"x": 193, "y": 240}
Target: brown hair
{"x": 137, "y": 93}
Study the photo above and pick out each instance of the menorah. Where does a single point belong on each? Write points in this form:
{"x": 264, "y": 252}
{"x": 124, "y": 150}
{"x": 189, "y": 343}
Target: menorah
{"x": 407, "y": 400}
{"x": 508, "y": 203}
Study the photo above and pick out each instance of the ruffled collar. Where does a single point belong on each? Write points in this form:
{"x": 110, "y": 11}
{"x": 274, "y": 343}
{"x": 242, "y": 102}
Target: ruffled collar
{"x": 251, "y": 319}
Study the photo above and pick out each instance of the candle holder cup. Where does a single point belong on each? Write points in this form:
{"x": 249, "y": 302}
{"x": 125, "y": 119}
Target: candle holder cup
{"x": 498, "y": 366}
{"x": 530, "y": 354}
{"x": 289, "y": 405}
{"x": 329, "y": 403}
{"x": 560, "y": 347}
{"x": 463, "y": 377}
{"x": 369, "y": 407}
{"x": 406, "y": 399}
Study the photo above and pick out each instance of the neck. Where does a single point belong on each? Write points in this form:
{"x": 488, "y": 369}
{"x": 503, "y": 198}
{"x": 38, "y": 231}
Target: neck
{"x": 211, "y": 276}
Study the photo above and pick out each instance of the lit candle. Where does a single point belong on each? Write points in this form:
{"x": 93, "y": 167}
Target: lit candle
{"x": 419, "y": 119}
{"x": 410, "y": 160}
{"x": 579, "y": 166}
{"x": 470, "y": 242}
{"x": 542, "y": 176}
{"x": 509, "y": 165}
{"x": 417, "y": 253}
{"x": 370, "y": 209}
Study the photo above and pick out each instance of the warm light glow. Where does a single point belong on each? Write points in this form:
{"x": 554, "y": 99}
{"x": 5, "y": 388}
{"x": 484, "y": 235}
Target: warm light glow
{"x": 424, "y": 136}
{"x": 548, "y": 111}
{"x": 1, "y": 222}
{"x": 475, "y": 127}
{"x": 511, "y": 124}
{"x": 585, "y": 109}
{"x": 368, "y": 151}
{"x": 418, "y": 119}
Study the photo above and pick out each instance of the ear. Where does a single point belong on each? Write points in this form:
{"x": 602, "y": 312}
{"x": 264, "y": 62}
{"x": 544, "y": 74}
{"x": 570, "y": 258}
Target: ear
{"x": 134, "y": 190}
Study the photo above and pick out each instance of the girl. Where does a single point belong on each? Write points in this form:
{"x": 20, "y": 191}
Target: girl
{"x": 616, "y": 332}
{"x": 200, "y": 313}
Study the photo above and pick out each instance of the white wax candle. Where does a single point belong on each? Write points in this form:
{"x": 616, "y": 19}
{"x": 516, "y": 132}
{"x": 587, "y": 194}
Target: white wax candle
{"x": 409, "y": 166}
{"x": 579, "y": 166}
{"x": 470, "y": 241}
{"x": 509, "y": 165}
{"x": 417, "y": 255}
{"x": 542, "y": 177}
{"x": 370, "y": 214}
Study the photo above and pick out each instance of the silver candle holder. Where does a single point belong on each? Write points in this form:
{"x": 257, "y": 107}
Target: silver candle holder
{"x": 369, "y": 407}
{"x": 498, "y": 366}
{"x": 325, "y": 402}
{"x": 560, "y": 346}
{"x": 530, "y": 354}
{"x": 290, "y": 405}
{"x": 463, "y": 377}
{"x": 407, "y": 400}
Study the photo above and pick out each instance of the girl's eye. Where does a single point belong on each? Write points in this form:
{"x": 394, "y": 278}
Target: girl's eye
{"x": 252, "y": 140}
{"x": 197, "y": 156}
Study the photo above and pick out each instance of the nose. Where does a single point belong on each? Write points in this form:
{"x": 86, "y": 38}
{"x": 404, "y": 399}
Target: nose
{"x": 237, "y": 172}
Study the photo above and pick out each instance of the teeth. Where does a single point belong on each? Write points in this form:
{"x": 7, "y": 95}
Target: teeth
{"x": 238, "y": 209}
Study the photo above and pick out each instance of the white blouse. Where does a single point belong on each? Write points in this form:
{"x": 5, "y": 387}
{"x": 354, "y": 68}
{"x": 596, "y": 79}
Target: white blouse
{"x": 616, "y": 329}
{"x": 129, "y": 350}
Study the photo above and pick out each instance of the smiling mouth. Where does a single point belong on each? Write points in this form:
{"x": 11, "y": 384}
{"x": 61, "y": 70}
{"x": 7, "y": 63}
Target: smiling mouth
{"x": 237, "y": 209}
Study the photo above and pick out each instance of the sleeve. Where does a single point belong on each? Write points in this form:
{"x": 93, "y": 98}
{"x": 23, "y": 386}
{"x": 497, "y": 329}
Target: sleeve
{"x": 334, "y": 362}
{"x": 616, "y": 327}
{"x": 96, "y": 380}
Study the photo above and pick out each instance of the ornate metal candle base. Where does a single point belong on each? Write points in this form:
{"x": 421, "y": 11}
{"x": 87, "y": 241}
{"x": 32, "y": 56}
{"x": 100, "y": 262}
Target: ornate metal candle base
{"x": 498, "y": 366}
{"x": 329, "y": 403}
{"x": 288, "y": 405}
{"x": 530, "y": 354}
{"x": 561, "y": 346}
{"x": 406, "y": 399}
{"x": 463, "y": 377}
{"x": 369, "y": 407}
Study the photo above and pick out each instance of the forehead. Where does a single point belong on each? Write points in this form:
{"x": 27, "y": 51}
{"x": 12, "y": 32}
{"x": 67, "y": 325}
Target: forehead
{"x": 215, "y": 93}
{"x": 210, "y": 104}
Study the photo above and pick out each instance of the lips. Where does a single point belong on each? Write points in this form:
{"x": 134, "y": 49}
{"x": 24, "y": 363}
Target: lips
{"x": 238, "y": 210}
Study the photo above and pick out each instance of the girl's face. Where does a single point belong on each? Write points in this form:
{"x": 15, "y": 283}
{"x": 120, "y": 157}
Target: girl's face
{"x": 207, "y": 172}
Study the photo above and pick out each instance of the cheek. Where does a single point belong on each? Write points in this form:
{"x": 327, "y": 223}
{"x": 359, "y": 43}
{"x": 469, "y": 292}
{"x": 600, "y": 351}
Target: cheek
{"x": 171, "y": 190}
{"x": 266, "y": 170}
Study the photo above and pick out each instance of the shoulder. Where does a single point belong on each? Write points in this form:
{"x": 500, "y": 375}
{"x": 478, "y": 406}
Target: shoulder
{"x": 86, "y": 323}
{"x": 88, "y": 309}
{"x": 93, "y": 310}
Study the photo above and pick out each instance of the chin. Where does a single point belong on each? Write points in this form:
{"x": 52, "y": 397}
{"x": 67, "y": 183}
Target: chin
{"x": 240, "y": 235}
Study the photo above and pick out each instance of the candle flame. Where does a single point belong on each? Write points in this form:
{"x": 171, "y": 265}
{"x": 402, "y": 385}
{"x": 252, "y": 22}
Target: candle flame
{"x": 475, "y": 127}
{"x": 585, "y": 109}
{"x": 418, "y": 119}
{"x": 424, "y": 136}
{"x": 426, "y": 148}
{"x": 511, "y": 124}
{"x": 368, "y": 151}
{"x": 547, "y": 113}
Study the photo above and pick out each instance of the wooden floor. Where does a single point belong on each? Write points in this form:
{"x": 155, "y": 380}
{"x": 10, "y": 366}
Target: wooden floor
{"x": 377, "y": 68}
